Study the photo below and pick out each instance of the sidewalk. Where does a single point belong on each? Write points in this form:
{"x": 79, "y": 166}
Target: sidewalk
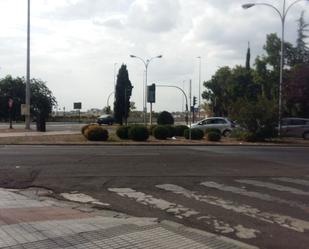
{"x": 36, "y": 221}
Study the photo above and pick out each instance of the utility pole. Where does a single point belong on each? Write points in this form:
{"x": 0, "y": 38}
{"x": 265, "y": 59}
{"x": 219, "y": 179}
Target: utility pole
{"x": 190, "y": 95}
{"x": 199, "y": 87}
{"x": 28, "y": 72}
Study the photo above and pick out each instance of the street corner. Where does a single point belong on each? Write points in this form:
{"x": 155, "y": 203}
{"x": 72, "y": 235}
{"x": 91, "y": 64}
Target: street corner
{"x": 28, "y": 219}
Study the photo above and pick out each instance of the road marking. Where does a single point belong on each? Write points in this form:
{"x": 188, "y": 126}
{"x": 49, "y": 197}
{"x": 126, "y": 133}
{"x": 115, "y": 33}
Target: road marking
{"x": 178, "y": 210}
{"x": 281, "y": 220}
{"x": 181, "y": 212}
{"x": 82, "y": 198}
{"x": 257, "y": 195}
{"x": 292, "y": 180}
{"x": 274, "y": 186}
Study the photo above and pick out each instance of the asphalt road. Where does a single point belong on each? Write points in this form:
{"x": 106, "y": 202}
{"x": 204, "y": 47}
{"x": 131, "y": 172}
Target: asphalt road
{"x": 259, "y": 195}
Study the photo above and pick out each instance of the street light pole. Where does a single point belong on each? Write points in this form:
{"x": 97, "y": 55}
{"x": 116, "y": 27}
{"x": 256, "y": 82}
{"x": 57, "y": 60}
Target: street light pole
{"x": 282, "y": 15}
{"x": 28, "y": 72}
{"x": 115, "y": 64}
{"x": 146, "y": 64}
{"x": 199, "y": 87}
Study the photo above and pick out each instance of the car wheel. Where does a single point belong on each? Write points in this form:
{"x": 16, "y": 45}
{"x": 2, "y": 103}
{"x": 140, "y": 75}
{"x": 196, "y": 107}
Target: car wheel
{"x": 227, "y": 133}
{"x": 306, "y": 135}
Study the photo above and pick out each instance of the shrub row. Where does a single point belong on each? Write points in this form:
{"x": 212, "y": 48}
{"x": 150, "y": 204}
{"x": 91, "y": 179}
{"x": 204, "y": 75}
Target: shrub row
{"x": 134, "y": 132}
{"x": 162, "y": 132}
{"x": 94, "y": 132}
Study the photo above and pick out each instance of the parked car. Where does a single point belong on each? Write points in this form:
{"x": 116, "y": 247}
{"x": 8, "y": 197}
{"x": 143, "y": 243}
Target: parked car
{"x": 295, "y": 127}
{"x": 225, "y": 125}
{"x": 106, "y": 119}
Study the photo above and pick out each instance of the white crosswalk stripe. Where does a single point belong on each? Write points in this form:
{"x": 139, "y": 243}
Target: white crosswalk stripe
{"x": 181, "y": 212}
{"x": 282, "y": 220}
{"x": 178, "y": 210}
{"x": 292, "y": 180}
{"x": 253, "y": 194}
{"x": 274, "y": 186}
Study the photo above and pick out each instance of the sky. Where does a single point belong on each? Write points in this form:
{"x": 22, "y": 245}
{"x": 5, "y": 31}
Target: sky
{"x": 78, "y": 45}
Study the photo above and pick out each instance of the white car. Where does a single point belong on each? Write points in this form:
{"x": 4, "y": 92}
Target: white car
{"x": 295, "y": 127}
{"x": 225, "y": 125}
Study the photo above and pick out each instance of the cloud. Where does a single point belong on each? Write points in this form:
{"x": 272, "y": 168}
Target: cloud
{"x": 154, "y": 15}
{"x": 75, "y": 43}
{"x": 114, "y": 22}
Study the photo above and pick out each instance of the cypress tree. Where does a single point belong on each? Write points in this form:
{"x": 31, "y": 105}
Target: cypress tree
{"x": 122, "y": 95}
{"x": 248, "y": 57}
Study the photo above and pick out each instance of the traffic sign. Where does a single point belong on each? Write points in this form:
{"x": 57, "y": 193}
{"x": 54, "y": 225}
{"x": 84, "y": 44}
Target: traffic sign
{"x": 10, "y": 103}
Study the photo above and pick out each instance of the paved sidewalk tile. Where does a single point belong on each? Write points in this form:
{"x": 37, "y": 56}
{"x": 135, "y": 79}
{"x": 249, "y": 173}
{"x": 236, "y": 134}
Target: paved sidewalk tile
{"x": 30, "y": 224}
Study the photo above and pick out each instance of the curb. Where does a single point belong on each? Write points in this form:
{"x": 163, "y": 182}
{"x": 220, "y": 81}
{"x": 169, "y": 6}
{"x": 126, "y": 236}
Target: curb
{"x": 156, "y": 145}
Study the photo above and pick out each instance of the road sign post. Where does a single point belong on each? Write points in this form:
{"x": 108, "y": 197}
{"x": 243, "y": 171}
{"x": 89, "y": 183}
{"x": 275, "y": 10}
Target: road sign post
{"x": 78, "y": 106}
{"x": 10, "y": 104}
{"x": 151, "y": 98}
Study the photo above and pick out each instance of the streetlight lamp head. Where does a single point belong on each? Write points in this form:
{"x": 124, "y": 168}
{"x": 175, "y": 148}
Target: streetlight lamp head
{"x": 249, "y": 5}
{"x": 132, "y": 56}
{"x": 160, "y": 56}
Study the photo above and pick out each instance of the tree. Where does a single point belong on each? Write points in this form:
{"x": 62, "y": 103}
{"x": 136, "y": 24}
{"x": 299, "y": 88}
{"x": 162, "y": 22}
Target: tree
{"x": 217, "y": 93}
{"x": 122, "y": 95}
{"x": 296, "y": 92}
{"x": 227, "y": 86}
{"x": 42, "y": 99}
{"x": 107, "y": 110}
{"x": 165, "y": 118}
{"x": 273, "y": 51}
{"x": 248, "y": 57}
{"x": 302, "y": 50}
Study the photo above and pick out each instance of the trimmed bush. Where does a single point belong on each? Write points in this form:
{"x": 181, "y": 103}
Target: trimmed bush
{"x": 85, "y": 127}
{"x": 209, "y": 130}
{"x": 180, "y": 129}
{"x": 123, "y": 132}
{"x": 161, "y": 132}
{"x": 171, "y": 130}
{"x": 138, "y": 133}
{"x": 196, "y": 134}
{"x": 165, "y": 118}
{"x": 96, "y": 133}
{"x": 214, "y": 136}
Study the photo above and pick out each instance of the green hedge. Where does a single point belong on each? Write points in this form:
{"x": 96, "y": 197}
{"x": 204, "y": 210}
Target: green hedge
{"x": 123, "y": 132}
{"x": 180, "y": 130}
{"x": 171, "y": 130}
{"x": 165, "y": 118}
{"x": 138, "y": 133}
{"x": 209, "y": 130}
{"x": 196, "y": 134}
{"x": 161, "y": 132}
{"x": 96, "y": 133}
{"x": 214, "y": 136}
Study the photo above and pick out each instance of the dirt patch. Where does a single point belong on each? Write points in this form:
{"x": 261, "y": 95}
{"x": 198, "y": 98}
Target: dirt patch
{"x": 46, "y": 139}
{"x": 70, "y": 139}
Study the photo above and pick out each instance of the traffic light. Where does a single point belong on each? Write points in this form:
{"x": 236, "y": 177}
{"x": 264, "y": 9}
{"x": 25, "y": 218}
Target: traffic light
{"x": 151, "y": 93}
{"x": 194, "y": 101}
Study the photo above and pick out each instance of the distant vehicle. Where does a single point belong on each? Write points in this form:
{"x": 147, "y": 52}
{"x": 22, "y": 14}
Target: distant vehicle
{"x": 225, "y": 125}
{"x": 106, "y": 119}
{"x": 295, "y": 127}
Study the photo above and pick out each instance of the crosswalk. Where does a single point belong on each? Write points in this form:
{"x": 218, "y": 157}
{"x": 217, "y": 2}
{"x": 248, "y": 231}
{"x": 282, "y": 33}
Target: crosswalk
{"x": 243, "y": 208}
